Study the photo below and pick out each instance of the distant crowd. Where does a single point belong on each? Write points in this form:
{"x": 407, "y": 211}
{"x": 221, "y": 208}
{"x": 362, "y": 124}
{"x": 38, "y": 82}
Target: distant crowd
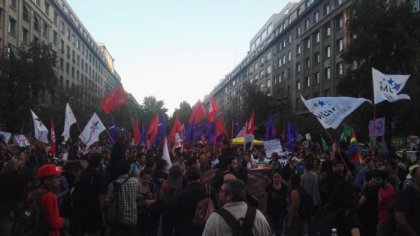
{"x": 121, "y": 189}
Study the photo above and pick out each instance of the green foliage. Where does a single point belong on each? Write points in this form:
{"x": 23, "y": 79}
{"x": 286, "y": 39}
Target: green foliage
{"x": 386, "y": 38}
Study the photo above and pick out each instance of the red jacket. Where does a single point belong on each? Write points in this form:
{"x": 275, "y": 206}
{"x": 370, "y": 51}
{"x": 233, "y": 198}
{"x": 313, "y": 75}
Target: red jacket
{"x": 50, "y": 213}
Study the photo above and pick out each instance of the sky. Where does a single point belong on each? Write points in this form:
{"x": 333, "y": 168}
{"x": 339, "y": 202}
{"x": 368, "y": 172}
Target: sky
{"x": 174, "y": 50}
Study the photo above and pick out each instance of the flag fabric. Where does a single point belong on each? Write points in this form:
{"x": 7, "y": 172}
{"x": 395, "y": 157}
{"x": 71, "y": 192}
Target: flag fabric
{"x": 52, "y": 138}
{"x": 384, "y": 147}
{"x": 346, "y": 134}
{"x": 175, "y": 129}
{"x": 269, "y": 130}
{"x": 220, "y": 130}
{"x": 165, "y": 153}
{"x": 324, "y": 143}
{"x": 291, "y": 138}
{"x": 213, "y": 109}
{"x": 153, "y": 129}
{"x": 331, "y": 111}
{"x": 115, "y": 99}
{"x": 161, "y": 133}
{"x": 354, "y": 152}
{"x": 143, "y": 140}
{"x": 6, "y": 136}
{"x": 136, "y": 132}
{"x": 377, "y": 127}
{"x": 92, "y": 130}
{"x": 189, "y": 132}
{"x": 198, "y": 113}
{"x": 69, "y": 120}
{"x": 114, "y": 131}
{"x": 41, "y": 132}
{"x": 386, "y": 87}
{"x": 242, "y": 132}
{"x": 211, "y": 133}
{"x": 250, "y": 124}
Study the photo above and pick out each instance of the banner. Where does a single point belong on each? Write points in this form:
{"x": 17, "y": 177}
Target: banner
{"x": 377, "y": 127}
{"x": 331, "y": 111}
{"x": 22, "y": 141}
{"x": 92, "y": 131}
{"x": 248, "y": 141}
{"x": 6, "y": 136}
{"x": 272, "y": 146}
{"x": 413, "y": 142}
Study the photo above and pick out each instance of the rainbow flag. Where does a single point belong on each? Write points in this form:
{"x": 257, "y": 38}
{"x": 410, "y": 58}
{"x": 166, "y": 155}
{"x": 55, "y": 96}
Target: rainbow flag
{"x": 354, "y": 152}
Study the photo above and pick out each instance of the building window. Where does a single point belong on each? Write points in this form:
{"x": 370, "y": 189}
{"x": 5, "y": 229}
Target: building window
{"x": 327, "y": 30}
{"x": 327, "y": 72}
{"x": 308, "y": 43}
{"x": 280, "y": 62}
{"x": 67, "y": 68}
{"x": 25, "y": 13}
{"x": 55, "y": 18}
{"x": 327, "y": 9}
{"x": 328, "y": 51}
{"x": 11, "y": 27}
{"x": 269, "y": 70}
{"x": 36, "y": 22}
{"x": 68, "y": 35}
{"x": 308, "y": 62}
{"x": 298, "y": 85}
{"x": 289, "y": 56}
{"x": 63, "y": 27}
{"x": 338, "y": 2}
{"x": 340, "y": 69}
{"x": 25, "y": 35}
{"x": 339, "y": 22}
{"x": 284, "y": 59}
{"x": 316, "y": 17}
{"x": 298, "y": 67}
{"x": 38, "y": 2}
{"x": 317, "y": 77}
{"x": 340, "y": 45}
{"x": 298, "y": 31}
{"x": 45, "y": 30}
{"x": 298, "y": 50}
{"x": 308, "y": 81}
{"x": 307, "y": 24}
{"x": 299, "y": 11}
{"x": 12, "y": 4}
{"x": 61, "y": 63}
{"x": 55, "y": 37}
{"x": 317, "y": 37}
{"x": 47, "y": 8}
{"x": 317, "y": 58}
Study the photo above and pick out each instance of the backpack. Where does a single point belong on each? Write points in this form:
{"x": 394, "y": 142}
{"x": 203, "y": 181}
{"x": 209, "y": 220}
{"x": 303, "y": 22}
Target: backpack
{"x": 114, "y": 213}
{"x": 324, "y": 220}
{"x": 28, "y": 220}
{"x": 306, "y": 207}
{"x": 203, "y": 209}
{"x": 243, "y": 226}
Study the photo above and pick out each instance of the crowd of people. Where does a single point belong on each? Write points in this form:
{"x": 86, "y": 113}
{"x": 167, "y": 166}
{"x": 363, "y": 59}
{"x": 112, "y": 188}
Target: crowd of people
{"x": 132, "y": 190}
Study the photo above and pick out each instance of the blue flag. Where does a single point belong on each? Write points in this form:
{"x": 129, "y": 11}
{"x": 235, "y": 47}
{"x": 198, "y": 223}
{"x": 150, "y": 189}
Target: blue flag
{"x": 189, "y": 132}
{"x": 143, "y": 135}
{"x": 113, "y": 130}
{"x": 161, "y": 134}
{"x": 269, "y": 130}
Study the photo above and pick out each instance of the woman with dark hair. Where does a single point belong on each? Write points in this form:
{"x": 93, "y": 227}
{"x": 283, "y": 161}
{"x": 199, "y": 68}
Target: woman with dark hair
{"x": 295, "y": 223}
{"x": 343, "y": 202}
{"x": 148, "y": 214}
{"x": 276, "y": 203}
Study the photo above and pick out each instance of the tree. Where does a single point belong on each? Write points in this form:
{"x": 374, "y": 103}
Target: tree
{"x": 151, "y": 106}
{"x": 385, "y": 36}
{"x": 27, "y": 81}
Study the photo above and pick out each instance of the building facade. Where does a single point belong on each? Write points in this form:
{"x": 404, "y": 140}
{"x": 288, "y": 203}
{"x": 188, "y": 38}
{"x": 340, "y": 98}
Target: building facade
{"x": 81, "y": 63}
{"x": 297, "y": 52}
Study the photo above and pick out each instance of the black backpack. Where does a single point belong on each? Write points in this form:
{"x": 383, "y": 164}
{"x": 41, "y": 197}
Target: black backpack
{"x": 325, "y": 218}
{"x": 243, "y": 226}
{"x": 28, "y": 220}
{"x": 306, "y": 207}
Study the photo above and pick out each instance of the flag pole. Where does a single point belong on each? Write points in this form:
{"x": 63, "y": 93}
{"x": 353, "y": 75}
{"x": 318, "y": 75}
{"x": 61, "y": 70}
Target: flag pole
{"x": 80, "y": 131}
{"x": 339, "y": 153}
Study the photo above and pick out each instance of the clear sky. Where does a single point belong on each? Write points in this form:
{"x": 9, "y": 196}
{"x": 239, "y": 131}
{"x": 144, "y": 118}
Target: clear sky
{"x": 175, "y": 50}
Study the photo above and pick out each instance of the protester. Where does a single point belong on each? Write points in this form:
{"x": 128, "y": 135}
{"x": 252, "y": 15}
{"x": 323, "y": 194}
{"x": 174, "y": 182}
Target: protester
{"x": 148, "y": 212}
{"x": 386, "y": 200}
{"x": 232, "y": 197}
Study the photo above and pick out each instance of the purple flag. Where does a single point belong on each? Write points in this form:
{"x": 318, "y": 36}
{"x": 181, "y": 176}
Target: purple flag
{"x": 143, "y": 139}
{"x": 161, "y": 134}
{"x": 377, "y": 127}
{"x": 114, "y": 131}
{"x": 269, "y": 130}
{"x": 189, "y": 132}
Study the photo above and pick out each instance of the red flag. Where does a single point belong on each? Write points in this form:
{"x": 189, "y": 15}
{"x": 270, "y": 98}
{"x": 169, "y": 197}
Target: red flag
{"x": 53, "y": 140}
{"x": 213, "y": 109}
{"x": 136, "y": 132}
{"x": 153, "y": 129}
{"x": 250, "y": 124}
{"x": 198, "y": 113}
{"x": 220, "y": 127}
{"x": 176, "y": 128}
{"x": 114, "y": 100}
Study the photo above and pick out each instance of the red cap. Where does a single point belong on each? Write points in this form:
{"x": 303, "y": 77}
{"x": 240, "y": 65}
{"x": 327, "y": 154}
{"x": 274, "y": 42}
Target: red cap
{"x": 48, "y": 170}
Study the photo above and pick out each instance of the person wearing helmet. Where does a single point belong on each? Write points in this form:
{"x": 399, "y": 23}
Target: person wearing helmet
{"x": 49, "y": 178}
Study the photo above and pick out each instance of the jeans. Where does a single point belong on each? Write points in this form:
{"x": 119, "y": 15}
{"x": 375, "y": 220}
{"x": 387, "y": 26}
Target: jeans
{"x": 123, "y": 230}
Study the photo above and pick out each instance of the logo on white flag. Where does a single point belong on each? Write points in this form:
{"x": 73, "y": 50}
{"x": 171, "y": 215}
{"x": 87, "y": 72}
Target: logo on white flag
{"x": 386, "y": 87}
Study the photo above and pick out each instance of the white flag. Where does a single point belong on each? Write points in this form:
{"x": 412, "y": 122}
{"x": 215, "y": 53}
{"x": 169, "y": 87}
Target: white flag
{"x": 6, "y": 136}
{"x": 69, "y": 120}
{"x": 92, "y": 131}
{"x": 41, "y": 132}
{"x": 165, "y": 153}
{"x": 330, "y": 111}
{"x": 387, "y": 87}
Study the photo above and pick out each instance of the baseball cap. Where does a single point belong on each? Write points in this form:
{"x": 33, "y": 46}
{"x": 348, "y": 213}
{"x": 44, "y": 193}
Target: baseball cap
{"x": 48, "y": 170}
